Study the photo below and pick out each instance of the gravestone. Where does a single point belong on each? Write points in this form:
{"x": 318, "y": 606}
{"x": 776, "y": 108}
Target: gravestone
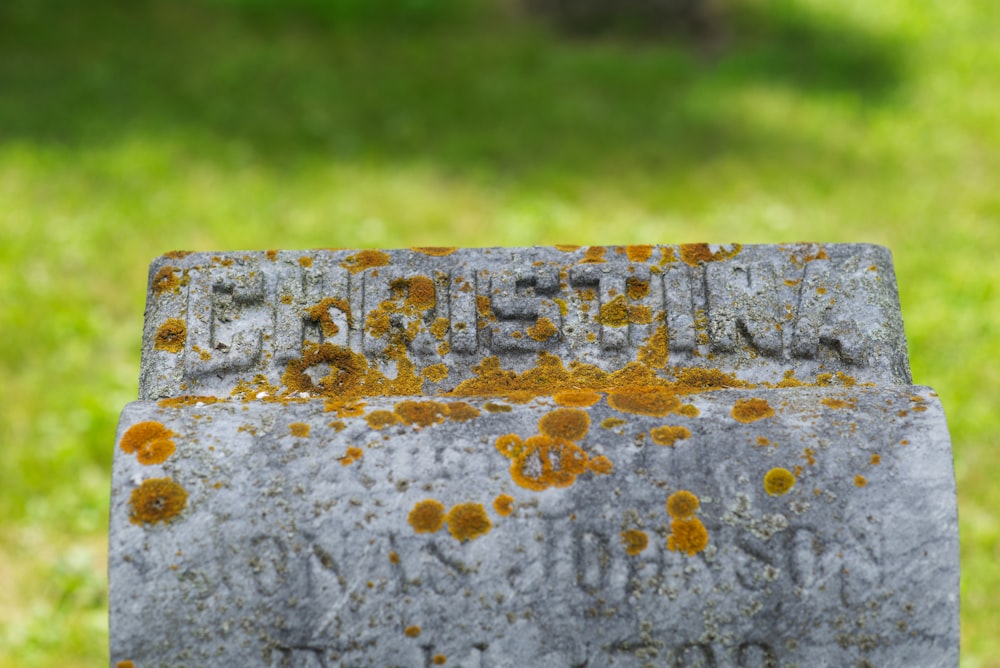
{"x": 625, "y": 456}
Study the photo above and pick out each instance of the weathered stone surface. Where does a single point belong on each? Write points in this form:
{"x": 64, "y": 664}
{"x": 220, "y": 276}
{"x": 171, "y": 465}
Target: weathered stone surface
{"x": 293, "y": 549}
{"x": 239, "y": 322}
{"x": 630, "y": 456}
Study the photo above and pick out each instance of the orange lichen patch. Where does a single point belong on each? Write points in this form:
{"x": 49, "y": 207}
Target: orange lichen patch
{"x": 156, "y": 500}
{"x": 612, "y": 422}
{"x": 695, "y": 254}
{"x": 427, "y": 516}
{"x": 467, "y": 521}
{"x": 393, "y": 557}
{"x": 566, "y": 248}
{"x": 636, "y": 288}
{"x": 809, "y": 455}
{"x": 600, "y": 465}
{"x": 687, "y": 535}
{"x": 640, "y": 315}
{"x": 860, "y": 481}
{"x": 171, "y": 336}
{"x": 542, "y": 330}
{"x": 125, "y": 664}
{"x": 483, "y": 307}
{"x": 435, "y": 372}
{"x": 412, "y": 631}
{"x": 349, "y": 374}
{"x": 164, "y": 280}
{"x": 421, "y": 293}
{"x": 635, "y": 541}
{"x": 789, "y": 380}
{"x": 668, "y": 435}
{"x": 565, "y": 423}
{"x": 542, "y": 462}
{"x": 381, "y": 419}
{"x": 778, "y": 481}
{"x": 876, "y": 459}
{"x": 841, "y": 378}
{"x": 177, "y": 254}
{"x": 421, "y": 413}
{"x": 510, "y": 445}
{"x": 439, "y": 660}
{"x": 271, "y": 255}
{"x": 352, "y": 455}
{"x": 299, "y": 429}
{"x": 151, "y": 442}
{"x": 434, "y": 251}
{"x": 654, "y": 401}
{"x": 459, "y": 411}
{"x": 491, "y": 407}
{"x": 751, "y": 410}
{"x": 186, "y": 400}
{"x": 682, "y": 504}
{"x": 688, "y": 410}
{"x": 576, "y": 398}
{"x": 344, "y": 409}
{"x": 830, "y": 402}
{"x": 504, "y": 505}
{"x": 439, "y": 328}
{"x": 638, "y": 253}
{"x": 614, "y": 313}
{"x": 320, "y": 313}
{"x": 655, "y": 352}
{"x": 305, "y": 261}
{"x": 696, "y": 379}
{"x": 594, "y": 255}
{"x": 365, "y": 259}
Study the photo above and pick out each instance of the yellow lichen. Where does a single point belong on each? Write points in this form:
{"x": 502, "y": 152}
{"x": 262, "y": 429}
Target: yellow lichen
{"x": 435, "y": 251}
{"x": 655, "y": 352}
{"x": 876, "y": 459}
{"x": 542, "y": 330}
{"x": 352, "y": 455}
{"x": 565, "y": 423}
{"x": 687, "y": 535}
{"x": 427, "y": 516}
{"x": 393, "y": 557}
{"x": 151, "y": 442}
{"x": 638, "y": 253}
{"x": 320, "y": 313}
{"x": 654, "y": 401}
{"x": 600, "y": 465}
{"x": 365, "y": 259}
{"x": 421, "y": 413}
{"x": 668, "y": 435}
{"x": 751, "y": 410}
{"x": 439, "y": 328}
{"x": 635, "y": 541}
{"x": 779, "y": 481}
{"x": 171, "y": 336}
{"x": 459, "y": 411}
{"x": 541, "y": 462}
{"x": 614, "y": 313}
{"x": 165, "y": 280}
{"x": 157, "y": 500}
{"x": 439, "y": 660}
{"x": 467, "y": 521}
{"x": 299, "y": 429}
{"x": 435, "y": 372}
{"x": 612, "y": 422}
{"x": 860, "y": 480}
{"x": 830, "y": 402}
{"x": 682, "y": 504}
{"x": 504, "y": 505}
{"x": 381, "y": 419}
{"x": 412, "y": 631}
{"x": 576, "y": 398}
{"x": 594, "y": 255}
{"x": 125, "y": 664}
{"x": 421, "y": 293}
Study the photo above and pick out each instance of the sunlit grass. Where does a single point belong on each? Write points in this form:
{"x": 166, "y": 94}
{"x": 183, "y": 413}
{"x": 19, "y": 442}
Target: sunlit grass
{"x": 129, "y": 129}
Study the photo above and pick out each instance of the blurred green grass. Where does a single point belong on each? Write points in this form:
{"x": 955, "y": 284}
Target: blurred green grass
{"x": 131, "y": 128}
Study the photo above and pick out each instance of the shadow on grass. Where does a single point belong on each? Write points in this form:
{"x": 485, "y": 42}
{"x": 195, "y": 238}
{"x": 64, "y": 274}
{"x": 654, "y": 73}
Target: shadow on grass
{"x": 475, "y": 92}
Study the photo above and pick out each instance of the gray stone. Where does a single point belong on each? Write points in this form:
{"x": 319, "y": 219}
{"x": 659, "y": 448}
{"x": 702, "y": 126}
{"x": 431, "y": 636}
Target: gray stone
{"x": 321, "y": 483}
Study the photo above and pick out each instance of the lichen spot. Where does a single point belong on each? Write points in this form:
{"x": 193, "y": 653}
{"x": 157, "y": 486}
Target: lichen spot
{"x": 412, "y": 631}
{"x": 352, "y": 455}
{"x": 687, "y": 535}
{"x": 594, "y": 255}
{"x": 427, "y": 516}
{"x": 420, "y": 293}
{"x": 467, "y": 521}
{"x": 543, "y": 330}
{"x": 510, "y": 445}
{"x": 365, "y": 259}
{"x": 299, "y": 429}
{"x": 565, "y": 423}
{"x": 435, "y": 251}
{"x": 778, "y": 481}
{"x": 171, "y": 336}
{"x": 668, "y": 435}
{"x": 165, "y": 280}
{"x": 439, "y": 660}
{"x": 156, "y": 500}
{"x": 504, "y": 505}
{"x": 638, "y": 253}
{"x": 876, "y": 459}
{"x": 151, "y": 442}
{"x": 125, "y": 664}
{"x": 611, "y": 422}
{"x": 655, "y": 402}
{"x": 860, "y": 481}
{"x": 614, "y": 313}
{"x": 393, "y": 557}
{"x": 600, "y": 465}
{"x": 836, "y": 404}
{"x": 682, "y": 504}
{"x": 435, "y": 372}
{"x": 751, "y": 410}
{"x": 421, "y": 413}
{"x": 381, "y": 419}
{"x": 576, "y": 398}
{"x": 635, "y": 541}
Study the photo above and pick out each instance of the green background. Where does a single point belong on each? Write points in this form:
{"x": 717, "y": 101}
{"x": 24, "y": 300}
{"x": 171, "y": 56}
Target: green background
{"x": 130, "y": 128}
